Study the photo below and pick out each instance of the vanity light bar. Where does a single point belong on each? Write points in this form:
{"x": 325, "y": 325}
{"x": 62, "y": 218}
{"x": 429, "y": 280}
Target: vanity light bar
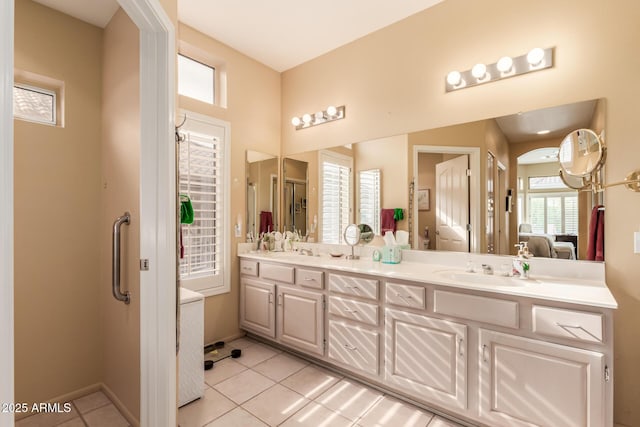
{"x": 535, "y": 60}
{"x": 329, "y": 115}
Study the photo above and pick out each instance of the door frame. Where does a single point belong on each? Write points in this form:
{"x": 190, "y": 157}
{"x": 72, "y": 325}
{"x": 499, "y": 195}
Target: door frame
{"x": 157, "y": 212}
{"x": 474, "y": 188}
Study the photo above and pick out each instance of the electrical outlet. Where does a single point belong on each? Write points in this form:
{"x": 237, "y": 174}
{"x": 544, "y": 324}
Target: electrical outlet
{"x": 636, "y": 242}
{"x": 238, "y": 230}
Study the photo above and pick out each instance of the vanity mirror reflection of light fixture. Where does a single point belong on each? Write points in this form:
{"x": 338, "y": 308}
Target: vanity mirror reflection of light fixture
{"x": 535, "y": 60}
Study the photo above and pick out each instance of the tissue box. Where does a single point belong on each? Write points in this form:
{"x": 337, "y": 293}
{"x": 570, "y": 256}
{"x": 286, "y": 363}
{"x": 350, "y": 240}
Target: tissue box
{"x": 391, "y": 255}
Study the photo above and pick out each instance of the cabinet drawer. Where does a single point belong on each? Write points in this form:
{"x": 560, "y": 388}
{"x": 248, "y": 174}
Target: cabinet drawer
{"x": 558, "y": 322}
{"x": 354, "y": 310}
{"x": 356, "y": 286}
{"x": 249, "y": 268}
{"x": 472, "y": 307}
{"x": 355, "y": 347}
{"x": 279, "y": 273}
{"x": 405, "y": 295}
{"x": 309, "y": 278}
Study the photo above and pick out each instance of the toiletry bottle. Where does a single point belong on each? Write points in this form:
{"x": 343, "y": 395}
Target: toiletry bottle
{"x": 520, "y": 264}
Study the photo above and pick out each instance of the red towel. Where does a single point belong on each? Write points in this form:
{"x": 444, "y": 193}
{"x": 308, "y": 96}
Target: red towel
{"x": 595, "y": 244}
{"x": 387, "y": 223}
{"x": 266, "y": 222}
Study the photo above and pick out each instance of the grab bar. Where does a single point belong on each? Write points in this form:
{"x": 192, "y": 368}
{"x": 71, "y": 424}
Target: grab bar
{"x": 117, "y": 293}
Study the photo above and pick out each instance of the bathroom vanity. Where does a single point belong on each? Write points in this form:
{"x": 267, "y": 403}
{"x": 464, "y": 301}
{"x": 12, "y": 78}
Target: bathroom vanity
{"x": 488, "y": 349}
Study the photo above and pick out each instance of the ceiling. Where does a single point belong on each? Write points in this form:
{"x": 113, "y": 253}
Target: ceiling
{"x": 559, "y": 121}
{"x": 281, "y": 34}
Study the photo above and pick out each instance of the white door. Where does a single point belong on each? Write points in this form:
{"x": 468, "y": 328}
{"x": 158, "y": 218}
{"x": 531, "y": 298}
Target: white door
{"x": 452, "y": 205}
{"x": 257, "y": 309}
{"x": 427, "y": 356}
{"x": 526, "y": 382}
{"x": 300, "y": 319}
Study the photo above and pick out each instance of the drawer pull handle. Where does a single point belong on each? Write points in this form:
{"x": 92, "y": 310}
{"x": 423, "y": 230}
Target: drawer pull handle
{"x": 348, "y": 310}
{"x": 350, "y": 347}
{"x": 279, "y": 299}
{"x": 460, "y": 342}
{"x": 309, "y": 279}
{"x": 570, "y": 329}
{"x": 484, "y": 352}
{"x": 246, "y": 268}
{"x": 350, "y": 287}
{"x": 270, "y": 297}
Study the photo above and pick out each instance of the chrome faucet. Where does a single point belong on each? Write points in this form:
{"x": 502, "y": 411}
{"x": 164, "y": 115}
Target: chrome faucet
{"x": 487, "y": 269}
{"x": 305, "y": 251}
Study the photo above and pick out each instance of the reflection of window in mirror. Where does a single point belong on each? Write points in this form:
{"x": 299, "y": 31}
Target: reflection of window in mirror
{"x": 369, "y": 198}
{"x": 336, "y": 195}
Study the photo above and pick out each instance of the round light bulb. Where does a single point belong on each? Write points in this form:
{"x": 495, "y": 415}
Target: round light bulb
{"x": 296, "y": 121}
{"x": 535, "y": 56}
{"x": 454, "y": 78}
{"x": 479, "y": 71}
{"x": 306, "y": 118}
{"x": 505, "y": 64}
{"x": 331, "y": 110}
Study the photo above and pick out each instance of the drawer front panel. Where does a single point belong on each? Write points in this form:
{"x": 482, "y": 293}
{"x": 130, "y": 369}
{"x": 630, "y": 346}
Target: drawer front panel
{"x": 577, "y": 325}
{"x": 280, "y": 273}
{"x": 354, "y": 310}
{"x": 405, "y": 295}
{"x": 356, "y": 286}
{"x": 358, "y": 348}
{"x": 472, "y": 307}
{"x": 249, "y": 268}
{"x": 309, "y": 278}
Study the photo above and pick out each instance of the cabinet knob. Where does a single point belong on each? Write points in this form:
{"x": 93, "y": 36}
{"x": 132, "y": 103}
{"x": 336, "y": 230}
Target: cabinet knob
{"x": 350, "y": 347}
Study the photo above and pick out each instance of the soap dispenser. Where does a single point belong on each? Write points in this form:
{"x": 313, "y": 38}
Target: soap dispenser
{"x": 520, "y": 264}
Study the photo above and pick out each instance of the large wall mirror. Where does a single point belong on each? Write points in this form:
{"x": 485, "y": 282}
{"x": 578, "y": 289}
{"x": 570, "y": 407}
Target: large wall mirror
{"x": 477, "y": 187}
{"x": 262, "y": 192}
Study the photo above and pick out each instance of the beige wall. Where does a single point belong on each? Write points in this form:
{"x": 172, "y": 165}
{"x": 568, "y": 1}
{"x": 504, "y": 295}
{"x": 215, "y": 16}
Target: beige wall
{"x": 427, "y": 180}
{"x": 253, "y": 110}
{"x": 57, "y": 211}
{"x": 595, "y": 56}
{"x": 120, "y": 193}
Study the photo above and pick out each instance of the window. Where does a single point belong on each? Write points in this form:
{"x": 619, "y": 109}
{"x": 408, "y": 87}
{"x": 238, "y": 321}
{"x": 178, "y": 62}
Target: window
{"x": 546, "y": 183}
{"x": 34, "y": 104}
{"x": 369, "y": 198}
{"x": 554, "y": 213}
{"x": 203, "y": 177}
{"x": 335, "y": 178}
{"x": 196, "y": 80}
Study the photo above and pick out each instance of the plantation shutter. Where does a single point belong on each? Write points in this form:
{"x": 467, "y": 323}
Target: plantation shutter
{"x": 370, "y": 199}
{"x": 335, "y": 201}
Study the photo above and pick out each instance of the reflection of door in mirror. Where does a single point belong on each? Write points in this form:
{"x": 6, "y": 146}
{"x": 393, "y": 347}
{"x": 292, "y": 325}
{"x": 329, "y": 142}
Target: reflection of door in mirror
{"x": 262, "y": 200}
{"x": 445, "y": 226}
{"x": 295, "y": 196}
{"x": 452, "y": 204}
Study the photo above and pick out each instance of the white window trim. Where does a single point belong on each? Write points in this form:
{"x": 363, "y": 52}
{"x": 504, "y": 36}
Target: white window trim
{"x": 339, "y": 158}
{"x": 53, "y": 94}
{"x": 214, "y": 80}
{"x": 199, "y": 284}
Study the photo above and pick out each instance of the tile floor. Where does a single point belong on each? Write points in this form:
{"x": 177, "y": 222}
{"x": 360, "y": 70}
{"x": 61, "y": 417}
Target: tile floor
{"x": 267, "y": 387}
{"x": 92, "y": 410}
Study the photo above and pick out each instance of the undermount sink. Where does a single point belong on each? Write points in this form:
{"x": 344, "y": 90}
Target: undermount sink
{"x": 482, "y": 279}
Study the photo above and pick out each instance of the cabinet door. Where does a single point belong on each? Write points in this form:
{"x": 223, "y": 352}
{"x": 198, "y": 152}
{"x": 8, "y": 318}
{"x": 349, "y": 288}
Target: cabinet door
{"x": 526, "y": 382}
{"x": 257, "y": 310}
{"x": 427, "y": 357}
{"x": 300, "y": 319}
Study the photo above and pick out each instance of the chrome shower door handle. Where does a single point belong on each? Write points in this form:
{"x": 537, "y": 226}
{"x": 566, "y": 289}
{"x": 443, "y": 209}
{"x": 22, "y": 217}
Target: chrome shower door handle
{"x": 115, "y": 261}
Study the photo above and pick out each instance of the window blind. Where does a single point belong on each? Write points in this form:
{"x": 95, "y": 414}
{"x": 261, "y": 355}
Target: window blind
{"x": 201, "y": 177}
{"x": 369, "y": 198}
{"x": 336, "y": 198}
{"x": 553, "y": 213}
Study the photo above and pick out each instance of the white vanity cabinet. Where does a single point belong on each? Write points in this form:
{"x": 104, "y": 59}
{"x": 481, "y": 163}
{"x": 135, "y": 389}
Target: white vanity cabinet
{"x": 427, "y": 356}
{"x": 274, "y": 307}
{"x": 488, "y": 356}
{"x": 525, "y": 382}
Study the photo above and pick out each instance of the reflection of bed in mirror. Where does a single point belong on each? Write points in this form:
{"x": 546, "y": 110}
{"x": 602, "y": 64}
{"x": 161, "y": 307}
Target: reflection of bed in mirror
{"x": 547, "y": 245}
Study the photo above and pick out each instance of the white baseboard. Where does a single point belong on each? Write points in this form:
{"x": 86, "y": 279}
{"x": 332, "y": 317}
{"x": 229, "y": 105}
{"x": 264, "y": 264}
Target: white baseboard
{"x": 68, "y": 397}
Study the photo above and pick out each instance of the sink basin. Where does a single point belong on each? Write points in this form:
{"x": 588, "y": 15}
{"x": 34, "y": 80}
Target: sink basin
{"x": 482, "y": 279}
